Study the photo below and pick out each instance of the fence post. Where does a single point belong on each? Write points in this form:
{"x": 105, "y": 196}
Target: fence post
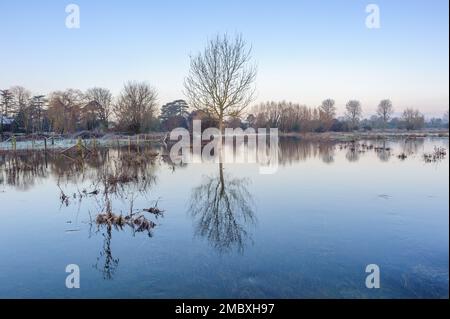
{"x": 13, "y": 142}
{"x": 79, "y": 144}
{"x": 137, "y": 142}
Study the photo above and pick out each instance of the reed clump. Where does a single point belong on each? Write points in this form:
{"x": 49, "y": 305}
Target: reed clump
{"x": 438, "y": 154}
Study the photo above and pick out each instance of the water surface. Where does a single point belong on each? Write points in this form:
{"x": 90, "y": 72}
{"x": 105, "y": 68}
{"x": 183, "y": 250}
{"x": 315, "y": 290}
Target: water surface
{"x": 226, "y": 231}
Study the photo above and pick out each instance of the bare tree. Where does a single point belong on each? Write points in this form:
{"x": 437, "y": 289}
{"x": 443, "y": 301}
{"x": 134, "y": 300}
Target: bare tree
{"x": 136, "y": 107}
{"x": 220, "y": 80}
{"x": 22, "y": 98}
{"x": 412, "y": 119}
{"x": 102, "y": 99}
{"x": 445, "y": 117}
{"x": 385, "y": 110}
{"x": 37, "y": 105}
{"x": 353, "y": 112}
{"x": 327, "y": 111}
{"x": 64, "y": 110}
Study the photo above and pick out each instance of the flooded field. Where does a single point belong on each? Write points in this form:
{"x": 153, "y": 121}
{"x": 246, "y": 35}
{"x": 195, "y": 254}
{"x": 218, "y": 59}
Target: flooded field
{"x": 140, "y": 226}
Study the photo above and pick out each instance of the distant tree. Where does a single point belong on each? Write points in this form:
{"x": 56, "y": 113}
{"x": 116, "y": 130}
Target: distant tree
{"x": 99, "y": 102}
{"x": 289, "y": 117}
{"x": 136, "y": 107}
{"x": 445, "y": 118}
{"x": 220, "y": 80}
{"x": 174, "y": 114}
{"x": 327, "y": 112}
{"x": 374, "y": 121}
{"x": 7, "y": 100}
{"x": 207, "y": 120}
{"x": 21, "y": 100}
{"x": 435, "y": 123}
{"x": 384, "y": 111}
{"x": 353, "y": 113}
{"x": 37, "y": 113}
{"x": 395, "y": 122}
{"x": 339, "y": 126}
{"x": 412, "y": 119}
{"x": 368, "y": 124}
{"x": 251, "y": 120}
{"x": 64, "y": 110}
{"x": 267, "y": 114}
{"x": 234, "y": 122}
{"x": 89, "y": 117}
{"x": 6, "y": 104}
{"x": 21, "y": 97}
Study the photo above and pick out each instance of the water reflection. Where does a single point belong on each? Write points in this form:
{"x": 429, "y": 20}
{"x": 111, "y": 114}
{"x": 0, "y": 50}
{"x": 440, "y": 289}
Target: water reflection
{"x": 114, "y": 176}
{"x": 352, "y": 155}
{"x": 292, "y": 150}
{"x": 26, "y": 169}
{"x": 384, "y": 152}
{"x": 115, "y": 193}
{"x": 222, "y": 208}
{"x": 412, "y": 146}
{"x": 106, "y": 263}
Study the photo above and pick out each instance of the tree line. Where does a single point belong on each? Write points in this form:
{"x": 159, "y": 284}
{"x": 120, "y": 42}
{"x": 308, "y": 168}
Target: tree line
{"x": 219, "y": 88}
{"x": 293, "y": 117}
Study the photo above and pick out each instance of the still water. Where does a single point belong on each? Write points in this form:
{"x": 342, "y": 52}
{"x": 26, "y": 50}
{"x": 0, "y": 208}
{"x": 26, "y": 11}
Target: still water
{"x": 210, "y": 231}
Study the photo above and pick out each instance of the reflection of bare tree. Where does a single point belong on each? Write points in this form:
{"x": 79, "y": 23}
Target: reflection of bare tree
{"x": 292, "y": 150}
{"x": 352, "y": 155}
{"x": 25, "y": 170}
{"x": 384, "y": 153}
{"x": 412, "y": 145}
{"x": 326, "y": 151}
{"x": 222, "y": 207}
{"x": 106, "y": 263}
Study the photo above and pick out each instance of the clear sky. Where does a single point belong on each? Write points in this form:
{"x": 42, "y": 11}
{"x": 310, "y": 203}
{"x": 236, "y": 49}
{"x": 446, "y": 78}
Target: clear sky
{"x": 306, "y": 51}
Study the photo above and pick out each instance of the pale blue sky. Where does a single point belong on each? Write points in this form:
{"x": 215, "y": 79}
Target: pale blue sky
{"x": 306, "y": 51}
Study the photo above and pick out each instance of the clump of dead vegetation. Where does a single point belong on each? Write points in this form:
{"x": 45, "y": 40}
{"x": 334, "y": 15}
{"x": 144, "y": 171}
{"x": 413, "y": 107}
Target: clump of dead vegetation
{"x": 438, "y": 154}
{"x": 137, "y": 158}
{"x": 137, "y": 221}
